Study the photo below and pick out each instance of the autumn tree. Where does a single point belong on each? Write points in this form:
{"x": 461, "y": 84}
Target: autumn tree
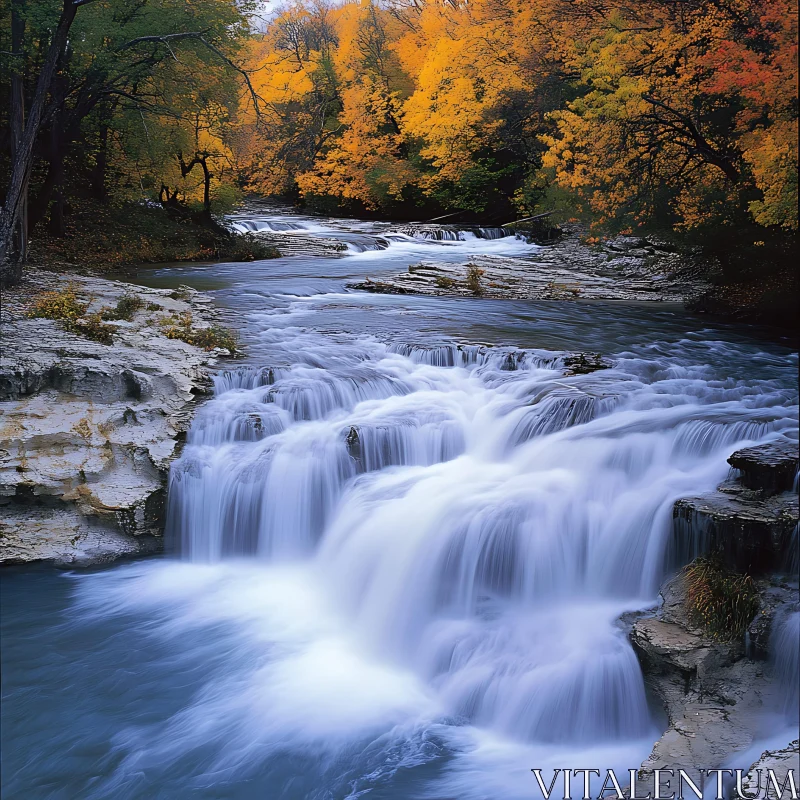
{"x": 686, "y": 113}
{"x": 118, "y": 80}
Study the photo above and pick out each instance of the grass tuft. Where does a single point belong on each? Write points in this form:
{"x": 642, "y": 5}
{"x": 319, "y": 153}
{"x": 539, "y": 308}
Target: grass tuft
{"x": 474, "y": 275}
{"x": 720, "y": 601}
{"x": 181, "y": 327}
{"x": 64, "y": 307}
{"x": 127, "y": 306}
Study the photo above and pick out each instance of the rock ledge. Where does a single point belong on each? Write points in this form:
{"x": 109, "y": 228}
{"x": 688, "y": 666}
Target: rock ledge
{"x": 88, "y": 430}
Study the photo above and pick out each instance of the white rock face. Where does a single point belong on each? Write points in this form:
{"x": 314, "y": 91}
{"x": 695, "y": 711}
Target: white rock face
{"x": 88, "y": 430}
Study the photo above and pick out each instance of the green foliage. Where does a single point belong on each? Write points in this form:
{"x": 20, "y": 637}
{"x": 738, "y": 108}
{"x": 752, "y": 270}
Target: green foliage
{"x": 126, "y": 307}
{"x": 108, "y": 237}
{"x": 479, "y": 188}
{"x": 246, "y": 247}
{"x": 443, "y": 282}
{"x": 60, "y": 305}
{"x": 720, "y": 601}
{"x": 65, "y": 307}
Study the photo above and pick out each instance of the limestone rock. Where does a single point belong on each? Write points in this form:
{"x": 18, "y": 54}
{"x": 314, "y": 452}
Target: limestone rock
{"x": 780, "y": 761}
{"x": 713, "y": 696}
{"x": 565, "y": 270}
{"x": 88, "y": 430}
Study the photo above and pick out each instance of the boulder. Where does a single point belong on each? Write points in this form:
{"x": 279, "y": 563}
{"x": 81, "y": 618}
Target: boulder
{"x": 752, "y": 535}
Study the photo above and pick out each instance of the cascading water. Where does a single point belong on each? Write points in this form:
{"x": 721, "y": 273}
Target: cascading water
{"x": 402, "y": 552}
{"x": 480, "y": 518}
{"x": 785, "y": 657}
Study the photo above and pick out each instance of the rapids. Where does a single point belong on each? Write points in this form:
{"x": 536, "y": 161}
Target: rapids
{"x": 400, "y": 543}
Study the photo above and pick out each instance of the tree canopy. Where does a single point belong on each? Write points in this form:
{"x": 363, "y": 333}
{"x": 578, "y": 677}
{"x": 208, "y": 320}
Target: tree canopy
{"x": 682, "y": 113}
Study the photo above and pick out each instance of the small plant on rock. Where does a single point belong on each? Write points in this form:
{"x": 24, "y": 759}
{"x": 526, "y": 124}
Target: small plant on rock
{"x": 474, "y": 275}
{"x": 126, "y": 307}
{"x": 65, "y": 307}
{"x": 61, "y": 305}
{"x": 215, "y": 336}
{"x": 181, "y": 327}
{"x": 719, "y": 600}
{"x": 443, "y": 282}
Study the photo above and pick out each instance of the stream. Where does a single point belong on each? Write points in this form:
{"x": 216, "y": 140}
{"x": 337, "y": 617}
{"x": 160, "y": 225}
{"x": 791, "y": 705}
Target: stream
{"x": 400, "y": 541}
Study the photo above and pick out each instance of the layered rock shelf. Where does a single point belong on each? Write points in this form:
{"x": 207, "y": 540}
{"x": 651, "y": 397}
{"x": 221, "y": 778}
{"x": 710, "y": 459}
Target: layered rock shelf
{"x": 716, "y": 693}
{"x": 87, "y": 429}
{"x": 624, "y": 269}
{"x": 751, "y": 520}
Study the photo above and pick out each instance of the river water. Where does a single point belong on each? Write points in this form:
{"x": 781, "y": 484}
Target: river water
{"x": 400, "y": 543}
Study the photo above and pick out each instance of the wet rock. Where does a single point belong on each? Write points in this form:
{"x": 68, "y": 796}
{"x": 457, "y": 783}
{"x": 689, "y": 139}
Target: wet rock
{"x": 752, "y": 535}
{"x": 714, "y": 697}
{"x": 88, "y": 430}
{"x": 564, "y": 270}
{"x": 775, "y": 598}
{"x": 381, "y": 287}
{"x": 353, "y": 442}
{"x": 584, "y": 363}
{"x": 780, "y": 761}
{"x": 768, "y": 468}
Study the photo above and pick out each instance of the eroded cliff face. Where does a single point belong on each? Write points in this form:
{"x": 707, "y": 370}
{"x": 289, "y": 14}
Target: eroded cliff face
{"x": 88, "y": 430}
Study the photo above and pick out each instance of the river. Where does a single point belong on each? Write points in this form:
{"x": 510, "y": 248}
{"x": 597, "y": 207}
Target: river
{"x": 400, "y": 543}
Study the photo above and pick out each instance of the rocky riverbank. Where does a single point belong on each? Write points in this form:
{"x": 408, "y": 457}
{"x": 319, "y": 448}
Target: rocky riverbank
{"x": 88, "y": 428}
{"x": 718, "y": 692}
{"x": 626, "y": 268}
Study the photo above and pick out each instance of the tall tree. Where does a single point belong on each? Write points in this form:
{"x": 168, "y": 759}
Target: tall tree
{"x": 10, "y": 266}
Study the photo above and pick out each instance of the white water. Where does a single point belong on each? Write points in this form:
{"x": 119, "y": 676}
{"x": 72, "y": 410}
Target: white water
{"x": 401, "y": 560}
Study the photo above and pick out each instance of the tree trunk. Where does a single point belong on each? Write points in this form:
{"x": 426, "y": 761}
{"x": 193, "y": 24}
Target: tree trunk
{"x": 202, "y": 160}
{"x": 20, "y": 243}
{"x": 10, "y": 266}
{"x": 98, "y": 177}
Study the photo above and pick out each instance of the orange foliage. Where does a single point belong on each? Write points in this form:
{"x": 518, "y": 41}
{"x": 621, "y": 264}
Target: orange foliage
{"x": 641, "y": 110}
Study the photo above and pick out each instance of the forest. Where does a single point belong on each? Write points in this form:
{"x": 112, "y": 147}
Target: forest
{"x": 673, "y": 113}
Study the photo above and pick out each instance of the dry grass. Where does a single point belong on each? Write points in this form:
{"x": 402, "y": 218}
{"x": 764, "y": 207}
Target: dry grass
{"x": 720, "y": 601}
{"x": 181, "y": 327}
{"x": 474, "y": 275}
{"x": 65, "y": 307}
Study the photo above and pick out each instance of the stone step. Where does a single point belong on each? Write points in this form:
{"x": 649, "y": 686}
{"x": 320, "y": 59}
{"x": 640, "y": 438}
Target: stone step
{"x": 769, "y": 468}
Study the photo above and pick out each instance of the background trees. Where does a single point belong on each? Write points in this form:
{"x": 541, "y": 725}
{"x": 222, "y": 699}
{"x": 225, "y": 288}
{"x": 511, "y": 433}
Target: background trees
{"x": 660, "y": 112}
{"x": 118, "y": 91}
{"x": 683, "y": 113}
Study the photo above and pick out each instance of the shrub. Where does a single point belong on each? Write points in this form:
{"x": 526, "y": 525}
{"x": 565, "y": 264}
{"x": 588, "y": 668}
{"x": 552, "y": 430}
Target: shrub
{"x": 719, "y": 600}
{"x": 181, "y": 293}
{"x": 61, "y": 305}
{"x": 91, "y": 326}
{"x": 443, "y": 282}
{"x": 246, "y": 247}
{"x": 180, "y": 327}
{"x": 126, "y": 307}
{"x": 215, "y": 336}
{"x": 474, "y": 275}
{"x": 65, "y": 307}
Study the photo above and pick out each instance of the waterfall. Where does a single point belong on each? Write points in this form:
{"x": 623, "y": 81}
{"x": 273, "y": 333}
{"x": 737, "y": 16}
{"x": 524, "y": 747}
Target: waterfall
{"x": 784, "y": 649}
{"x": 479, "y": 517}
{"x": 493, "y": 233}
{"x": 255, "y": 225}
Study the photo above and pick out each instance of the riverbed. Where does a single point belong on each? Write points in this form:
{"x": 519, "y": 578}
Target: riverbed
{"x": 400, "y": 540}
